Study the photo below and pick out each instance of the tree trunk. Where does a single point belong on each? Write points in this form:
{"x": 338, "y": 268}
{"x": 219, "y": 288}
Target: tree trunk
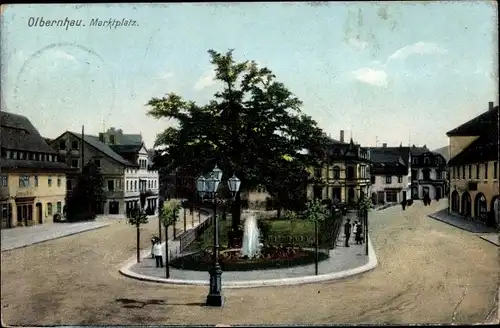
{"x": 175, "y": 223}
{"x": 366, "y": 233}
{"x": 167, "y": 269}
{"x": 184, "y": 210}
{"x": 316, "y": 262}
{"x": 138, "y": 240}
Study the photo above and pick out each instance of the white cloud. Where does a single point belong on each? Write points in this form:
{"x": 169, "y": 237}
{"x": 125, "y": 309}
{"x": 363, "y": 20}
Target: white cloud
{"x": 419, "y": 48}
{"x": 206, "y": 80}
{"x": 371, "y": 76}
{"x": 166, "y": 76}
{"x": 357, "y": 44}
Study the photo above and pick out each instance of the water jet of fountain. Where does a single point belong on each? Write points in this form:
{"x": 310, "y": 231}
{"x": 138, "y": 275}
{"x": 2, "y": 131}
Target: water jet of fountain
{"x": 251, "y": 243}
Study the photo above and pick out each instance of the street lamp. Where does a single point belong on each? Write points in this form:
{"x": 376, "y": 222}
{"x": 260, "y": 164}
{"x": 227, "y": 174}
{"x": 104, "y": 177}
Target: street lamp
{"x": 209, "y": 187}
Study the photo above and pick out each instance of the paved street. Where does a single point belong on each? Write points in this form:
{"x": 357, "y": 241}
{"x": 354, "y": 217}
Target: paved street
{"x": 21, "y": 237}
{"x": 428, "y": 271}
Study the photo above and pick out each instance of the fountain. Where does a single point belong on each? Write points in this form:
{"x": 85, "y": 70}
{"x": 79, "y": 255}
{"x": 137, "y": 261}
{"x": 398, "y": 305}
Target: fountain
{"x": 251, "y": 242}
{"x": 252, "y": 256}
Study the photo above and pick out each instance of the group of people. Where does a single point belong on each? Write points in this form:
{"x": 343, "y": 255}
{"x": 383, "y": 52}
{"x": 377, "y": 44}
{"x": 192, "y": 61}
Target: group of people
{"x": 358, "y": 231}
{"x": 157, "y": 252}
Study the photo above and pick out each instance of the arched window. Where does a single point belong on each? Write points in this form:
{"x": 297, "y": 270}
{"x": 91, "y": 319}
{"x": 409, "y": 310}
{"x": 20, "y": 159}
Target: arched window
{"x": 336, "y": 172}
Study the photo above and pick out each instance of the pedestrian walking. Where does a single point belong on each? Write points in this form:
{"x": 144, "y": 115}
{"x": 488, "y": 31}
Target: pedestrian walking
{"x": 403, "y": 204}
{"x": 158, "y": 254}
{"x": 357, "y": 234}
{"x": 347, "y": 232}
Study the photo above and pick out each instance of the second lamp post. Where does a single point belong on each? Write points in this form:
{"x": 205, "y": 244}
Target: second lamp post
{"x": 209, "y": 188}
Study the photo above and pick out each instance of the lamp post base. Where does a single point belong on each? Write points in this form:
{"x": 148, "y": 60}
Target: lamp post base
{"x": 214, "y": 297}
{"x": 215, "y": 300}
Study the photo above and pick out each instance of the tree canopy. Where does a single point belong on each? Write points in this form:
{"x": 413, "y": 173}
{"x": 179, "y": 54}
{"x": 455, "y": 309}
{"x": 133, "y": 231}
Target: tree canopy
{"x": 253, "y": 127}
{"x": 87, "y": 194}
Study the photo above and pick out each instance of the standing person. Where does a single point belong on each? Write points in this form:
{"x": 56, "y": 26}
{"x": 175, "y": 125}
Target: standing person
{"x": 347, "y": 232}
{"x": 158, "y": 255}
{"x": 357, "y": 233}
{"x": 403, "y": 204}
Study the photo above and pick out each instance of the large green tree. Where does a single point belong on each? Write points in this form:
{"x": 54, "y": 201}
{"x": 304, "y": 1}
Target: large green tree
{"x": 87, "y": 195}
{"x": 253, "y": 127}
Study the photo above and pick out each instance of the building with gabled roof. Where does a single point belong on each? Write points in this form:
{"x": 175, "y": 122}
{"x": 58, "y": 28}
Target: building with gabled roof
{"x": 32, "y": 180}
{"x": 345, "y": 175}
{"x": 473, "y": 166}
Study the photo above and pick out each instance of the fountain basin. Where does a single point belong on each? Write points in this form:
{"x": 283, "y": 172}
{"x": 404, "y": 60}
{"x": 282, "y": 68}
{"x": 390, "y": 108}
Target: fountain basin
{"x": 271, "y": 257}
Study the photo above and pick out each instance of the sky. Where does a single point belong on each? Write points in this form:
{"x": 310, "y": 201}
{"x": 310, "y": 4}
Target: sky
{"x": 383, "y": 72}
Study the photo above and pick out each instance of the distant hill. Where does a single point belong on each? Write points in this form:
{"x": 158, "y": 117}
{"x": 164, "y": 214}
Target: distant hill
{"x": 444, "y": 151}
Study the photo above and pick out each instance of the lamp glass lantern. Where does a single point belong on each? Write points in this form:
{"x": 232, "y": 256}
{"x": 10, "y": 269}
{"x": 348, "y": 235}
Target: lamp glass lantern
{"x": 201, "y": 186}
{"x": 234, "y": 184}
{"x": 211, "y": 186}
{"x": 217, "y": 173}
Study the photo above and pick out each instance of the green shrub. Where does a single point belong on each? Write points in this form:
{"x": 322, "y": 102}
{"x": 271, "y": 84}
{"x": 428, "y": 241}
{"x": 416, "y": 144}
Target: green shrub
{"x": 264, "y": 228}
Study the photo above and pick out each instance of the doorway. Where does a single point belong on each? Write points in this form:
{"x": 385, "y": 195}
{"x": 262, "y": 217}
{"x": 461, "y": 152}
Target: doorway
{"x": 39, "y": 216}
{"x": 114, "y": 207}
{"x": 439, "y": 193}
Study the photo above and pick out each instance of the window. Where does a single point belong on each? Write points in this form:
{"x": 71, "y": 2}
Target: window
{"x": 62, "y": 144}
{"x": 495, "y": 170}
{"x": 74, "y": 145}
{"x": 128, "y": 185}
{"x": 49, "y": 180}
{"x": 336, "y": 172}
{"x": 74, "y": 163}
{"x": 24, "y": 181}
{"x": 112, "y": 139}
{"x": 400, "y": 179}
{"x": 21, "y": 155}
{"x": 49, "y": 208}
{"x": 58, "y": 181}
{"x": 36, "y": 180}
{"x": 350, "y": 172}
{"x": 388, "y": 179}
{"x": 149, "y": 184}
{"x": 135, "y": 185}
{"x": 4, "y": 180}
{"x": 453, "y": 170}
{"x": 485, "y": 171}
{"x": 427, "y": 174}
{"x": 426, "y": 160}
{"x": 478, "y": 169}
{"x": 69, "y": 185}
{"x": 470, "y": 171}
{"x": 97, "y": 162}
{"x": 414, "y": 160}
{"x": 372, "y": 179}
{"x": 317, "y": 172}
{"x": 111, "y": 185}
{"x": 463, "y": 172}
{"x": 59, "y": 207}
{"x": 414, "y": 175}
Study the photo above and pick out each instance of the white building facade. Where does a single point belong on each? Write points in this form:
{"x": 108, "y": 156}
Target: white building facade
{"x": 389, "y": 188}
{"x": 142, "y": 179}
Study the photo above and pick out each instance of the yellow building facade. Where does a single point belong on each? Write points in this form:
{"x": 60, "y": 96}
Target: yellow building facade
{"x": 473, "y": 167}
{"x": 32, "y": 181}
{"x": 345, "y": 181}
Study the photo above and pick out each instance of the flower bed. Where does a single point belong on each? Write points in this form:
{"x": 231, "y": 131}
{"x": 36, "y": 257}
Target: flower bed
{"x": 271, "y": 257}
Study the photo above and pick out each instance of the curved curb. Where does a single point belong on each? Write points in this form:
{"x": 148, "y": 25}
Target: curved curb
{"x": 372, "y": 263}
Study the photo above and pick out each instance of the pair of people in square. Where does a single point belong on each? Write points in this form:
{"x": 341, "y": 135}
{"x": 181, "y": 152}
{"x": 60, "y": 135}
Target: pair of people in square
{"x": 356, "y": 228}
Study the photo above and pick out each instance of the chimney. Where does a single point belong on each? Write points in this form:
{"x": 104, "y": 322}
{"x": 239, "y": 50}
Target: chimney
{"x": 341, "y": 135}
{"x": 490, "y": 105}
{"x": 384, "y": 145}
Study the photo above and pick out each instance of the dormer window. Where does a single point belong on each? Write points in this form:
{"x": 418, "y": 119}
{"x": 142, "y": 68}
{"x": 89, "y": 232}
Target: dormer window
{"x": 414, "y": 160}
{"x": 62, "y": 144}
{"x": 426, "y": 160}
{"x": 112, "y": 139}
